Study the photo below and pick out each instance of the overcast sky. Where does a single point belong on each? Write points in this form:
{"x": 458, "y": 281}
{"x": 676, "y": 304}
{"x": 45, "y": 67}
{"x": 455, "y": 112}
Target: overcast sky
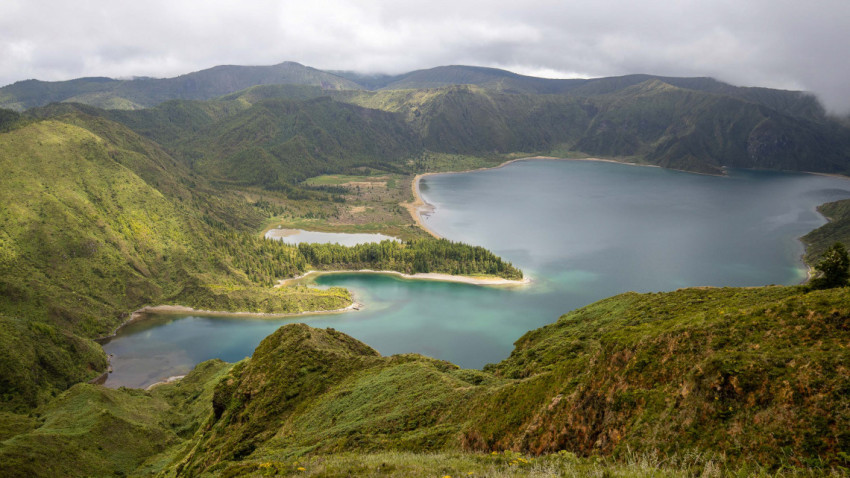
{"x": 774, "y": 43}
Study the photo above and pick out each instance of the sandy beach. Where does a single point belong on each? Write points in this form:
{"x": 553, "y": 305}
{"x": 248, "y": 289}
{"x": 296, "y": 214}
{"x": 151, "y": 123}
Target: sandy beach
{"x": 489, "y": 281}
{"x": 419, "y": 206}
{"x": 182, "y": 309}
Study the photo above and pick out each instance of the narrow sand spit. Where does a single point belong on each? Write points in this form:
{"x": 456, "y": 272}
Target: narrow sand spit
{"x": 419, "y": 276}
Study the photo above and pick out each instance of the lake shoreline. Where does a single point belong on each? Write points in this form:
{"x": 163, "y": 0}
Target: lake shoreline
{"x": 420, "y": 205}
{"x": 141, "y": 314}
{"x": 430, "y": 276}
{"x": 166, "y": 309}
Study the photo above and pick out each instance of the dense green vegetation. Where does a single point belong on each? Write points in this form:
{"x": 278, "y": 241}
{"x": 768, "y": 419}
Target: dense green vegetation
{"x": 653, "y": 122}
{"x": 144, "y": 92}
{"x": 106, "y": 211}
{"x": 836, "y": 230}
{"x": 421, "y": 255}
{"x": 94, "y": 431}
{"x": 97, "y": 221}
{"x": 693, "y": 381}
{"x": 279, "y": 124}
{"x": 833, "y": 268}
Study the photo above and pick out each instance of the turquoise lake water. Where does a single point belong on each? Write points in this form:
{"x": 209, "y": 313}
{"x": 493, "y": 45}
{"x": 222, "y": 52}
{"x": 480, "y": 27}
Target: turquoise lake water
{"x": 582, "y": 230}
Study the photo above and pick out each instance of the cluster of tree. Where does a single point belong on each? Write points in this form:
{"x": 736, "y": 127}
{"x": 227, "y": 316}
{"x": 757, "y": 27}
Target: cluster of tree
{"x": 265, "y": 261}
{"x": 420, "y": 255}
{"x": 833, "y": 268}
{"x": 262, "y": 260}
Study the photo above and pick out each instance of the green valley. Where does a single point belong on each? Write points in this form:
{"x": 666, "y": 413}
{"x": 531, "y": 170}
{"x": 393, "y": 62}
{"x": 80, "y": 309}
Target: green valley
{"x": 121, "y": 194}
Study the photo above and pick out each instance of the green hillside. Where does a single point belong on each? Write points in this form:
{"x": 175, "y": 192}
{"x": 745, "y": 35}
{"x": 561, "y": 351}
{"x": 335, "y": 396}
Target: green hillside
{"x": 674, "y": 372}
{"x": 161, "y": 199}
{"x": 97, "y": 221}
{"x": 653, "y": 122}
{"x": 279, "y": 142}
{"x": 719, "y": 379}
{"x": 269, "y": 127}
{"x": 145, "y": 92}
{"x": 836, "y": 230}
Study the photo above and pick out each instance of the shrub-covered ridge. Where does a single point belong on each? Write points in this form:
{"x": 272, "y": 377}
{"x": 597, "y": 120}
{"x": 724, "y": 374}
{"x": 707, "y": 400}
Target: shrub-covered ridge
{"x": 745, "y": 376}
{"x": 702, "y": 380}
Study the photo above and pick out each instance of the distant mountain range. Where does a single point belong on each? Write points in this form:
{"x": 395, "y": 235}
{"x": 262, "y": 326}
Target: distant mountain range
{"x": 145, "y": 92}
{"x": 221, "y": 80}
{"x": 693, "y": 124}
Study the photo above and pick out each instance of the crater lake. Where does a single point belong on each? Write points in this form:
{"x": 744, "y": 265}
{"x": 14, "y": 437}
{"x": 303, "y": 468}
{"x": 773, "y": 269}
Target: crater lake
{"x": 582, "y": 230}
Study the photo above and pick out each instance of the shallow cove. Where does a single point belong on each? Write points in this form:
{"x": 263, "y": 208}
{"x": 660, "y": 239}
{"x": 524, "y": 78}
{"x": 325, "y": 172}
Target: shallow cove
{"x": 582, "y": 230}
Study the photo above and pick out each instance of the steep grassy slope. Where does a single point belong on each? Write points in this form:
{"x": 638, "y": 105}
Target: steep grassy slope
{"x": 145, "y": 92}
{"x": 75, "y": 219}
{"x": 836, "y": 230}
{"x": 38, "y": 361}
{"x": 699, "y": 379}
{"x": 97, "y": 221}
{"x": 95, "y": 431}
{"x": 278, "y": 142}
{"x": 740, "y": 375}
{"x": 699, "y": 126}
{"x": 743, "y": 372}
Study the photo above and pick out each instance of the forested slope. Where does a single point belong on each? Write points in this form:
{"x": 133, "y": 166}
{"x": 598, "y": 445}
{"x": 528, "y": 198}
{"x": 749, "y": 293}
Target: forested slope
{"x": 266, "y": 116}
{"x": 140, "y": 93}
{"x": 97, "y": 221}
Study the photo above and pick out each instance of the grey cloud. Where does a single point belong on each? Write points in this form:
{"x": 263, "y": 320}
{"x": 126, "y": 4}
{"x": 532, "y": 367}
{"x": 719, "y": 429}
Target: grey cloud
{"x": 775, "y": 43}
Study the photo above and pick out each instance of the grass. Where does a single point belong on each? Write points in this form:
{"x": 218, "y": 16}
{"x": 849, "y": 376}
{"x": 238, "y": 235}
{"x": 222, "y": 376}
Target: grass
{"x": 503, "y": 465}
{"x": 697, "y": 382}
{"x": 341, "y": 179}
{"x": 97, "y": 221}
{"x": 754, "y": 378}
{"x": 94, "y": 431}
{"x": 836, "y": 230}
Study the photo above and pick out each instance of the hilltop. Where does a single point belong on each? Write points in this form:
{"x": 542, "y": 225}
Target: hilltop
{"x": 244, "y": 119}
{"x": 144, "y": 92}
{"x": 717, "y": 379}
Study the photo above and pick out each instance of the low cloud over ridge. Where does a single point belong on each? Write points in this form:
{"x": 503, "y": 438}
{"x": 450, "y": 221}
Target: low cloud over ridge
{"x": 757, "y": 43}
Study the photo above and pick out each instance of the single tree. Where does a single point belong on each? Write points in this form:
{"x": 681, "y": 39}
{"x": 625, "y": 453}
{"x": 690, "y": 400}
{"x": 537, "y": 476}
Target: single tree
{"x": 834, "y": 267}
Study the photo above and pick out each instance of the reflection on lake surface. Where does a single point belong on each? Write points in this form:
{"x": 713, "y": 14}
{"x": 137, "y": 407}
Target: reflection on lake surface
{"x": 582, "y": 230}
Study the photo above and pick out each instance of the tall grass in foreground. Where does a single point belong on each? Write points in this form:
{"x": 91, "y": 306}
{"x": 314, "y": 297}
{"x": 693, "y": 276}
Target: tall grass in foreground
{"x": 511, "y": 464}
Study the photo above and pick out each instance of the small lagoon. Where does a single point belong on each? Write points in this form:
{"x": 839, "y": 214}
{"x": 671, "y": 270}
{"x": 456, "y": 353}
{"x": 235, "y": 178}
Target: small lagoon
{"x": 582, "y": 230}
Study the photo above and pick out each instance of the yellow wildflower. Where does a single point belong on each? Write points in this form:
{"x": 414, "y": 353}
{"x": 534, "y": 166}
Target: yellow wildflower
{"x": 301, "y": 468}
